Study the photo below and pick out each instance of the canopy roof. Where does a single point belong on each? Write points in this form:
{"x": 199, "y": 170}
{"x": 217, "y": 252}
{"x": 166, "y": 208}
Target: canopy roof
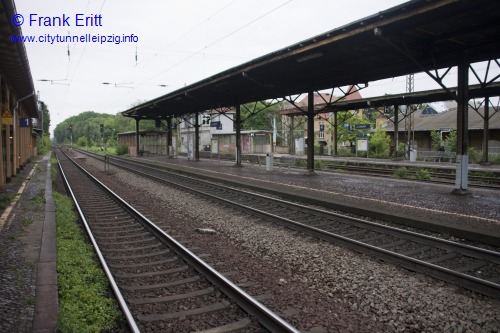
{"x": 435, "y": 34}
{"x": 14, "y": 65}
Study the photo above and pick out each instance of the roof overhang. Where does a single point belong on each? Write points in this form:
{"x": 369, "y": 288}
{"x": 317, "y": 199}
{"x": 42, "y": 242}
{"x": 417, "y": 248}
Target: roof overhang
{"x": 435, "y": 33}
{"x": 14, "y": 65}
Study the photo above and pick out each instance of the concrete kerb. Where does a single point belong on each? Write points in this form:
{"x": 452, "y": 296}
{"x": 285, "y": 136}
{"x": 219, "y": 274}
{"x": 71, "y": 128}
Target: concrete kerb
{"x": 46, "y": 299}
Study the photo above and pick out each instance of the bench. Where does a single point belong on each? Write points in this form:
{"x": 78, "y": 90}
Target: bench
{"x": 436, "y": 155}
{"x": 285, "y": 161}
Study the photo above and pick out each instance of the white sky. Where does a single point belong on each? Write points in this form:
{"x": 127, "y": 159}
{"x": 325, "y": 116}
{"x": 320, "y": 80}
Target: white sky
{"x": 180, "y": 42}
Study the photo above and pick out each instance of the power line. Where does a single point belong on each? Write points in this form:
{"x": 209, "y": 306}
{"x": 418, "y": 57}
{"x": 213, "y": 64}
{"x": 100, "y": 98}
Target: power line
{"x": 216, "y": 42}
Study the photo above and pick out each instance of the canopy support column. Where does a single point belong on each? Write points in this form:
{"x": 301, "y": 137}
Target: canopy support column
{"x": 238, "y": 136}
{"x": 137, "y": 136}
{"x": 335, "y": 134}
{"x": 310, "y": 133}
{"x": 197, "y": 137}
{"x": 486, "y": 130}
{"x": 461, "y": 178}
{"x": 396, "y": 130}
{"x": 170, "y": 148}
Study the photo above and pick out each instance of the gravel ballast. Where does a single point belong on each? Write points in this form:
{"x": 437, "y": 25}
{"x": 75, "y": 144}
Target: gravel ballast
{"x": 329, "y": 288}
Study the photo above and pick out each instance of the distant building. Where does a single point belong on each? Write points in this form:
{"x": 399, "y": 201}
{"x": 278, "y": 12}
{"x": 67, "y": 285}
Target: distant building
{"x": 211, "y": 123}
{"x": 322, "y": 121}
{"x": 430, "y": 117}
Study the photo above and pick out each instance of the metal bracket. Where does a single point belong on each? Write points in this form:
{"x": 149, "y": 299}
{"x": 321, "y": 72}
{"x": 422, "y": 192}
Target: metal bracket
{"x": 404, "y": 51}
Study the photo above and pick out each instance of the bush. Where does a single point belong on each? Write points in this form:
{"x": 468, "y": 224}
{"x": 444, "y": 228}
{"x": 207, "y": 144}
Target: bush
{"x": 423, "y": 174}
{"x": 475, "y": 156}
{"x": 345, "y": 152}
{"x": 379, "y": 144}
{"x": 81, "y": 142}
{"x": 494, "y": 158}
{"x": 401, "y": 172}
{"x": 402, "y": 150}
{"x": 121, "y": 150}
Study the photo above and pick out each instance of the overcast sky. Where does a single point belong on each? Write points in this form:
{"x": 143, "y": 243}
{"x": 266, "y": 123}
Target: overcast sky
{"x": 179, "y": 42}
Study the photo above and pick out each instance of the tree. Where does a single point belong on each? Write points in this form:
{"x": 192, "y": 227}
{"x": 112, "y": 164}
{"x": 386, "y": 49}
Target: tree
{"x": 258, "y": 116}
{"x": 43, "y": 144}
{"x": 379, "y": 143}
{"x": 346, "y": 129}
{"x": 84, "y": 124}
{"x": 437, "y": 141}
{"x": 45, "y": 118}
{"x": 451, "y": 141}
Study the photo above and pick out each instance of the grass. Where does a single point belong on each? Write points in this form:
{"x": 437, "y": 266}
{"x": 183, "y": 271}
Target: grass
{"x": 30, "y": 301}
{"x": 5, "y": 200}
{"x": 83, "y": 287}
{"x": 39, "y": 199}
{"x": 26, "y": 222}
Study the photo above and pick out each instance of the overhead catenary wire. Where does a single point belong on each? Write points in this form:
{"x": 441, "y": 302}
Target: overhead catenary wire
{"x": 192, "y": 55}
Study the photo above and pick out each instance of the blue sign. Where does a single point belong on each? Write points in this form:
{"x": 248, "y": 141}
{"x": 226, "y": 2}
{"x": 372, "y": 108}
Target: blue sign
{"x": 362, "y": 126}
{"x": 215, "y": 124}
{"x": 24, "y": 122}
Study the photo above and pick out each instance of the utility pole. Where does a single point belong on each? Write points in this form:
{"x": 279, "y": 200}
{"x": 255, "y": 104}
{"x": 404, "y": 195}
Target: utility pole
{"x": 409, "y": 119}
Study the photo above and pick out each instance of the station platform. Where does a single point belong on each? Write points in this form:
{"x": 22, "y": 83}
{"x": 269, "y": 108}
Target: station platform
{"x": 28, "y": 275}
{"x": 416, "y": 204}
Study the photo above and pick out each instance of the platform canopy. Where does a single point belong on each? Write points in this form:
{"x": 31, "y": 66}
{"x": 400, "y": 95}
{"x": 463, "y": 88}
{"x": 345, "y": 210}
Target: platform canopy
{"x": 14, "y": 64}
{"x": 417, "y": 36}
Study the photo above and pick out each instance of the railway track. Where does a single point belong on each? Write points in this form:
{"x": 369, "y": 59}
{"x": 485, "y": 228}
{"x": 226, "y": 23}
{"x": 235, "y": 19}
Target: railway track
{"x": 434, "y": 176}
{"x": 159, "y": 284}
{"x": 466, "y": 266}
{"x": 428, "y": 174}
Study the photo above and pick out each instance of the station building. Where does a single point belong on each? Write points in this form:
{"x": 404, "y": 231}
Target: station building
{"x": 18, "y": 102}
{"x": 428, "y": 119}
{"x": 150, "y": 142}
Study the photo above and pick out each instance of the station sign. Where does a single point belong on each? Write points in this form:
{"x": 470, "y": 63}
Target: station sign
{"x": 24, "y": 122}
{"x": 362, "y": 126}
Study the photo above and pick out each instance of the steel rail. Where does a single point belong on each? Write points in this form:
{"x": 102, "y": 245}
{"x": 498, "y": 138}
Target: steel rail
{"x": 114, "y": 286}
{"x": 265, "y": 316}
{"x": 467, "y": 281}
{"x": 489, "y": 182}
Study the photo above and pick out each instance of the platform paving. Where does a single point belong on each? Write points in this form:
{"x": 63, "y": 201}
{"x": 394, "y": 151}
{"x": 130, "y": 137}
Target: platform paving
{"x": 28, "y": 278}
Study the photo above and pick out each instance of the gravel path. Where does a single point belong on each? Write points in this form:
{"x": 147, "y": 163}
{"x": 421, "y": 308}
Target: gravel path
{"x": 329, "y": 288}
{"x": 19, "y": 251}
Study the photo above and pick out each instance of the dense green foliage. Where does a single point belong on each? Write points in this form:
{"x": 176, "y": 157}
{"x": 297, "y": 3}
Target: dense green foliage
{"x": 436, "y": 140}
{"x": 401, "y": 172}
{"x": 451, "y": 141}
{"x": 46, "y": 117}
{"x": 83, "y": 304}
{"x": 43, "y": 144}
{"x": 86, "y": 128}
{"x": 346, "y": 131}
{"x": 379, "y": 143}
{"x": 423, "y": 174}
{"x": 258, "y": 116}
{"x": 121, "y": 150}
